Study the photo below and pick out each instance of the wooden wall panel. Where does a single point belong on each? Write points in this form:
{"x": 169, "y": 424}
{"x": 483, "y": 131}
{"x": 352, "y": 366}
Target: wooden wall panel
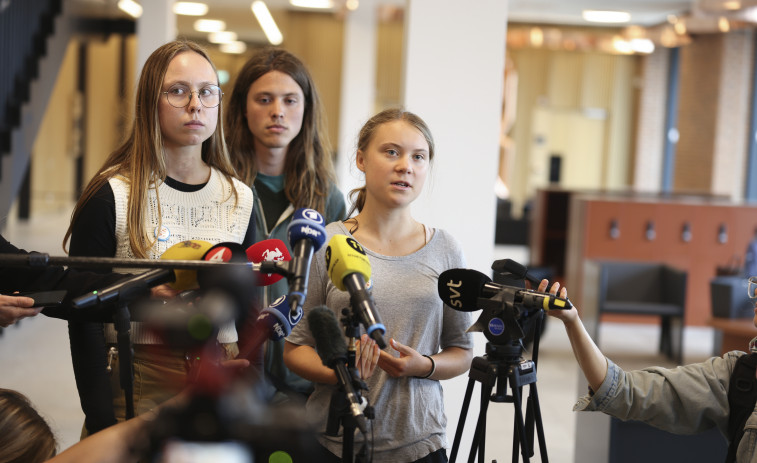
{"x": 590, "y": 240}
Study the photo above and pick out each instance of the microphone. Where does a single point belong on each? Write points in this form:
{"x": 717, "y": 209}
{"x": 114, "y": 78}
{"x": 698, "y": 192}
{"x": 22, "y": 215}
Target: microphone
{"x": 127, "y": 289}
{"x": 274, "y": 322}
{"x": 332, "y": 348}
{"x": 269, "y": 253}
{"x": 518, "y": 270}
{"x": 186, "y": 250}
{"x": 306, "y": 234}
{"x": 237, "y": 281}
{"x": 460, "y": 289}
{"x": 348, "y": 269}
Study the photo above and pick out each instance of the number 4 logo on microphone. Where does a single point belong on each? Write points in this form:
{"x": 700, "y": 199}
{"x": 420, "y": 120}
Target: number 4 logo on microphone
{"x": 355, "y": 245}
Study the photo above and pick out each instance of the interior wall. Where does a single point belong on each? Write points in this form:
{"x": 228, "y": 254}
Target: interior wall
{"x": 56, "y": 145}
{"x": 316, "y": 38}
{"x": 578, "y": 106}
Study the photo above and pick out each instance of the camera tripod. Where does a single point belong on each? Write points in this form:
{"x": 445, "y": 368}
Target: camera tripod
{"x": 502, "y": 365}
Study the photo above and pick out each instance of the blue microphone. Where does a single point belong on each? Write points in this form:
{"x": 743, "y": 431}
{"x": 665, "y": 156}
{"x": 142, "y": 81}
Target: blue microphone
{"x": 278, "y": 318}
{"x": 306, "y": 234}
{"x": 274, "y": 322}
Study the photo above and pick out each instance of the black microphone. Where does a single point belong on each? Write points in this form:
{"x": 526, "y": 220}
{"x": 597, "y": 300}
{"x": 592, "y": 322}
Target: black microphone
{"x": 332, "y": 348}
{"x": 126, "y": 290}
{"x": 306, "y": 234}
{"x": 518, "y": 270}
{"x": 460, "y": 289}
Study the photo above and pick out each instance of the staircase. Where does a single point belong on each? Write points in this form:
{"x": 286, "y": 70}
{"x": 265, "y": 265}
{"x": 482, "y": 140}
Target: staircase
{"x": 33, "y": 38}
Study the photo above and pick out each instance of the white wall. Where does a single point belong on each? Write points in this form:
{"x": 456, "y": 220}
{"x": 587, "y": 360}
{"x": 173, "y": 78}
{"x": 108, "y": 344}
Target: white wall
{"x": 454, "y": 71}
{"x": 454, "y": 68}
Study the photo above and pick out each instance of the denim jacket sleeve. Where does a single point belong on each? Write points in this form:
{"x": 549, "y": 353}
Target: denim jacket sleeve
{"x": 683, "y": 400}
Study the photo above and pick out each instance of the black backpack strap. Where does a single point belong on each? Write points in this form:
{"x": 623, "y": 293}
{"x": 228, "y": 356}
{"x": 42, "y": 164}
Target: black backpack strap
{"x": 742, "y": 396}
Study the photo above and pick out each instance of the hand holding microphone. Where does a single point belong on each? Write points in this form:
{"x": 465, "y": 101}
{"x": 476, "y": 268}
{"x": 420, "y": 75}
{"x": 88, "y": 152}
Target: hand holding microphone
{"x": 349, "y": 269}
{"x": 564, "y": 315}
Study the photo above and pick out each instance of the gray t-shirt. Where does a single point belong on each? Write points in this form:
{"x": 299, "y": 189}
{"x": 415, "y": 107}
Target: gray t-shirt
{"x": 410, "y": 422}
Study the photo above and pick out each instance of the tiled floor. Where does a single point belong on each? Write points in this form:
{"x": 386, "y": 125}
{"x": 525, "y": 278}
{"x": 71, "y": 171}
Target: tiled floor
{"x": 35, "y": 359}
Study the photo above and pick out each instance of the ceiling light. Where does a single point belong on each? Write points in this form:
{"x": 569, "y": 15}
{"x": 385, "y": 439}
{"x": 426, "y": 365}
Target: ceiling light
{"x": 536, "y": 37}
{"x": 209, "y": 25}
{"x": 190, "y": 8}
{"x": 222, "y": 37}
{"x": 642, "y": 45}
{"x": 266, "y": 21}
{"x": 322, "y": 4}
{"x": 131, "y": 7}
{"x": 597, "y": 16}
{"x": 732, "y": 5}
{"x": 352, "y": 4}
{"x": 723, "y": 24}
{"x": 621, "y": 46}
{"x": 233, "y": 47}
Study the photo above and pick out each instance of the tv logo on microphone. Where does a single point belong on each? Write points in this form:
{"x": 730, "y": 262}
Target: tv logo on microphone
{"x": 313, "y": 215}
{"x": 454, "y": 294}
{"x": 307, "y": 230}
{"x": 273, "y": 255}
{"x": 355, "y": 245}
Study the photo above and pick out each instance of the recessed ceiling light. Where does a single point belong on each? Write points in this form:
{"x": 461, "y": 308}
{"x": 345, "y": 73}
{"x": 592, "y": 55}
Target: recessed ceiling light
{"x": 190, "y": 8}
{"x": 209, "y": 25}
{"x": 233, "y": 47}
{"x": 312, "y": 3}
{"x": 131, "y": 7}
{"x": 724, "y": 25}
{"x": 641, "y": 45}
{"x": 598, "y": 16}
{"x": 222, "y": 37}
{"x": 270, "y": 29}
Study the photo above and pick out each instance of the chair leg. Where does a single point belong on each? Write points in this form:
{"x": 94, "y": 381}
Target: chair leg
{"x": 676, "y": 331}
{"x": 666, "y": 346}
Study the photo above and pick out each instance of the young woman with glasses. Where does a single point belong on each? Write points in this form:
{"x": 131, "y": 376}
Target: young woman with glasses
{"x": 171, "y": 180}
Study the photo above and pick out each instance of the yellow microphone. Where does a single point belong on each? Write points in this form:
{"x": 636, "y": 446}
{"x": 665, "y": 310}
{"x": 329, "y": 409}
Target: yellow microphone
{"x": 349, "y": 269}
{"x": 186, "y": 250}
{"x": 345, "y": 256}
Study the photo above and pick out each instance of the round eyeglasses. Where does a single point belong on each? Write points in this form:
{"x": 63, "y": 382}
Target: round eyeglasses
{"x": 179, "y": 96}
{"x": 752, "y": 288}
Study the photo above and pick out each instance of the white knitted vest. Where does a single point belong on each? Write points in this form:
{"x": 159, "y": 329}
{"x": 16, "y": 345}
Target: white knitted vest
{"x": 208, "y": 214}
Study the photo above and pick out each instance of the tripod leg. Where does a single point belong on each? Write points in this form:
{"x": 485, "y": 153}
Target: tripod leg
{"x": 461, "y": 421}
{"x": 539, "y": 425}
{"x": 530, "y": 424}
{"x": 519, "y": 424}
{"x": 478, "y": 435}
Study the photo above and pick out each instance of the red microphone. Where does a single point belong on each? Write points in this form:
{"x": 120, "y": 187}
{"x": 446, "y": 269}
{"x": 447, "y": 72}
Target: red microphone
{"x": 270, "y": 250}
